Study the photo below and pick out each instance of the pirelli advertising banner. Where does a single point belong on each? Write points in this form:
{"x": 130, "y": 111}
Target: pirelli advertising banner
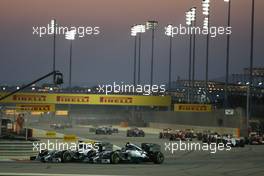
{"x": 36, "y": 107}
{"x": 92, "y": 99}
{"x": 192, "y": 107}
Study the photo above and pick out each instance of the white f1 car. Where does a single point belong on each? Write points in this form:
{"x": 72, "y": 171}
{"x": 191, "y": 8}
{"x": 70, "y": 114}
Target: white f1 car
{"x": 131, "y": 153}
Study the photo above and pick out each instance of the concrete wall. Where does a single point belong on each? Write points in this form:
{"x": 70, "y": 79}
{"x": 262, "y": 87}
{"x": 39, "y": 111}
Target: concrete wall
{"x": 115, "y": 115}
{"x": 216, "y": 118}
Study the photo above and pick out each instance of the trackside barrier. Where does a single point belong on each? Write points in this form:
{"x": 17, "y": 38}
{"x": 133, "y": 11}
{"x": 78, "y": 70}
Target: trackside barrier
{"x": 221, "y": 130}
{"x": 70, "y": 138}
{"x": 51, "y": 134}
{"x": 44, "y": 134}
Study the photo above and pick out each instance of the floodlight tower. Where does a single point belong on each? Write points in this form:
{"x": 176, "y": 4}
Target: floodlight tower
{"x": 168, "y": 32}
{"x": 70, "y": 35}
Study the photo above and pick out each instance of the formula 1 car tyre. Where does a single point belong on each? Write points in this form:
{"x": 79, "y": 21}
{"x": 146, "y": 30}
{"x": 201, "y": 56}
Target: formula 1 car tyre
{"x": 158, "y": 158}
{"x": 114, "y": 158}
{"x": 67, "y": 157}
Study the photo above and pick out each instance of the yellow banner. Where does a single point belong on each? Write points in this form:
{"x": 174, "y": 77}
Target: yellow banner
{"x": 36, "y": 107}
{"x": 61, "y": 113}
{"x": 192, "y": 107}
{"x": 69, "y": 138}
{"x": 93, "y": 99}
{"x": 51, "y": 134}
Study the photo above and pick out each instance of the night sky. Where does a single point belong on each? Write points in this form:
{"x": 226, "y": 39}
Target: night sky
{"x": 108, "y": 57}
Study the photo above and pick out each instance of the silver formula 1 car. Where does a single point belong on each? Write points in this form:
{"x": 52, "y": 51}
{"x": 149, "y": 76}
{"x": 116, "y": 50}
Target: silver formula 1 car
{"x": 106, "y": 130}
{"x": 131, "y": 153}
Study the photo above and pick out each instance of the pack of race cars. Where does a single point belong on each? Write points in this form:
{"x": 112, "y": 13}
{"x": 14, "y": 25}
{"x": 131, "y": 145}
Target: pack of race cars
{"x": 225, "y": 139}
{"x": 108, "y": 130}
{"x": 254, "y": 138}
{"x": 101, "y": 153}
{"x": 60, "y": 125}
{"x": 176, "y": 135}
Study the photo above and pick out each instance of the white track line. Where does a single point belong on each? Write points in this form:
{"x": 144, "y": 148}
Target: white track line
{"x": 47, "y": 174}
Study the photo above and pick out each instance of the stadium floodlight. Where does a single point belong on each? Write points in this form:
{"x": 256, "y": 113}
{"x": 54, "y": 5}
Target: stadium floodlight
{"x": 206, "y": 5}
{"x": 188, "y": 18}
{"x": 206, "y": 23}
{"x": 151, "y": 24}
{"x": 191, "y": 21}
{"x": 70, "y": 35}
{"x": 191, "y": 16}
{"x": 140, "y": 28}
{"x": 227, "y": 54}
{"x": 251, "y": 61}
{"x": 193, "y": 12}
{"x": 52, "y": 26}
{"x": 137, "y": 30}
{"x": 134, "y": 34}
{"x": 133, "y": 31}
{"x": 168, "y": 30}
{"x": 53, "y": 31}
